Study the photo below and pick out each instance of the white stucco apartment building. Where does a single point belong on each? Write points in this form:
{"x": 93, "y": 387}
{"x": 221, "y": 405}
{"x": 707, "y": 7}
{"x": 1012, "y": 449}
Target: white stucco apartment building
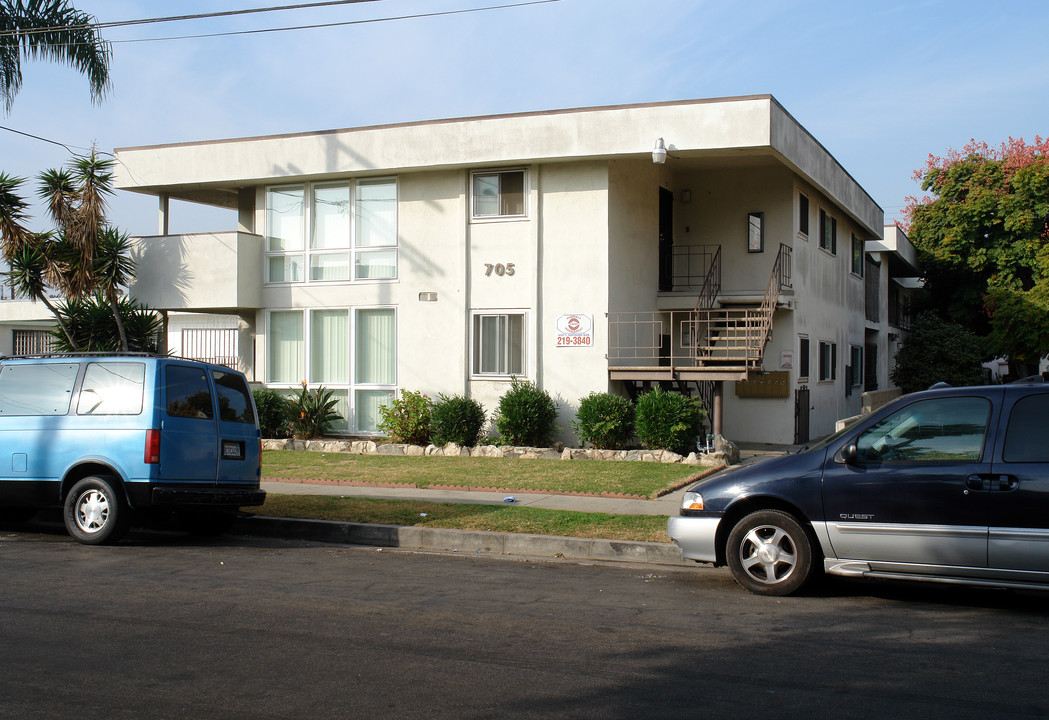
{"x": 710, "y": 246}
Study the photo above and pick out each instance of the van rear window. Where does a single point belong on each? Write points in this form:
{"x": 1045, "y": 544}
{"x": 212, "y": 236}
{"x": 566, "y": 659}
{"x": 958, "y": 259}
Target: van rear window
{"x": 112, "y": 389}
{"x": 234, "y": 400}
{"x": 37, "y": 389}
{"x": 188, "y": 395}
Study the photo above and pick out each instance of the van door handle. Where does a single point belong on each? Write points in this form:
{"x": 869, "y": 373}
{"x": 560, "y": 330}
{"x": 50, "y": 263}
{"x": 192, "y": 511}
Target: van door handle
{"x": 1007, "y": 482}
{"x": 977, "y": 483}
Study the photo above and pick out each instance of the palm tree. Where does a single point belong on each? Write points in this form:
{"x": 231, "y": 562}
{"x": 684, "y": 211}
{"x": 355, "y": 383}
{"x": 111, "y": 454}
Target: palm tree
{"x": 84, "y": 255}
{"x": 50, "y": 30}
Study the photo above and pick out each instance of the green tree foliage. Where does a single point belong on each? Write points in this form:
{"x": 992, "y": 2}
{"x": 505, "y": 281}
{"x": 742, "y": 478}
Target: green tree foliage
{"x": 50, "y": 30}
{"x": 458, "y": 420}
{"x": 668, "y": 420}
{"x": 527, "y": 416}
{"x": 91, "y": 326}
{"x": 605, "y": 421}
{"x": 82, "y": 258}
{"x": 273, "y": 409}
{"x": 312, "y": 412}
{"x": 937, "y": 351}
{"x": 983, "y": 234}
{"x": 407, "y": 418}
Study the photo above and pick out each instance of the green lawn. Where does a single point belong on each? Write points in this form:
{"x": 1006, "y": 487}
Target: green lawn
{"x": 586, "y": 476}
{"x": 500, "y": 518}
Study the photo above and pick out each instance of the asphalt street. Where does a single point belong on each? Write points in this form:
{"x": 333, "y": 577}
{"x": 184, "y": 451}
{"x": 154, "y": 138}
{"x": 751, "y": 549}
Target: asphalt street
{"x": 164, "y": 626}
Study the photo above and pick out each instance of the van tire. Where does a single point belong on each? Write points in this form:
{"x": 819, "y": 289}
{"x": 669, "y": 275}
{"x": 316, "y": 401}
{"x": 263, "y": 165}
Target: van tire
{"x": 95, "y": 513}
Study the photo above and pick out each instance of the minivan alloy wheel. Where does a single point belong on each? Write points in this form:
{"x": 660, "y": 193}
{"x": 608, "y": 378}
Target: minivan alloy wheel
{"x": 96, "y": 512}
{"x": 770, "y": 553}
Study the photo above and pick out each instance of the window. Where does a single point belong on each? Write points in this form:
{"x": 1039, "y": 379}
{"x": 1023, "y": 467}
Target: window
{"x": 803, "y": 358}
{"x": 857, "y": 256}
{"x": 112, "y": 389}
{"x": 32, "y": 342}
{"x": 39, "y": 389}
{"x": 498, "y": 344}
{"x": 828, "y": 232}
{"x": 352, "y": 232}
{"x": 942, "y": 429}
{"x": 351, "y": 352}
{"x": 828, "y": 361}
{"x": 188, "y": 394}
{"x": 499, "y": 194}
{"x": 803, "y": 215}
{"x": 856, "y": 360}
{"x": 234, "y": 398}
{"x": 1028, "y": 428}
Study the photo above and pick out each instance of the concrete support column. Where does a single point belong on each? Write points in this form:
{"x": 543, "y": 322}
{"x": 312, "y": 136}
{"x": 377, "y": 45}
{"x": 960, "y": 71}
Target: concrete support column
{"x": 165, "y": 208}
{"x": 715, "y": 415}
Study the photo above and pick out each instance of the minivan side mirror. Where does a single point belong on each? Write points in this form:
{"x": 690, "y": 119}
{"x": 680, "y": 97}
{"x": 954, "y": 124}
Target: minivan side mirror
{"x": 850, "y": 454}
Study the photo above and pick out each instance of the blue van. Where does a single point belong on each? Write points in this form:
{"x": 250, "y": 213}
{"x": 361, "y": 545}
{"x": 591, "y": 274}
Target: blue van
{"x": 107, "y": 437}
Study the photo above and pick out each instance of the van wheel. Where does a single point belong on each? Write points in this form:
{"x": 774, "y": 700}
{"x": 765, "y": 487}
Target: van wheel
{"x": 95, "y": 513}
{"x": 770, "y": 553}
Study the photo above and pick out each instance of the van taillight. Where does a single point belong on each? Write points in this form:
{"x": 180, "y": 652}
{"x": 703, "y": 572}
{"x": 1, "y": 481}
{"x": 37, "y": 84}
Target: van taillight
{"x": 152, "y": 447}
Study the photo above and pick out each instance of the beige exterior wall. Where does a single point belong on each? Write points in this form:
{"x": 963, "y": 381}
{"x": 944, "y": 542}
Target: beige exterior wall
{"x": 589, "y": 243}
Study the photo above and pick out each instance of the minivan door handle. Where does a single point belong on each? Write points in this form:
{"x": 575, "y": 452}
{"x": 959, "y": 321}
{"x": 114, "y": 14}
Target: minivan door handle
{"x": 977, "y": 483}
{"x": 1007, "y": 482}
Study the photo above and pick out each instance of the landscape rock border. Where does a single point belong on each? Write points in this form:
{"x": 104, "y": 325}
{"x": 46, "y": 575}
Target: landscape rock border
{"x": 725, "y": 454}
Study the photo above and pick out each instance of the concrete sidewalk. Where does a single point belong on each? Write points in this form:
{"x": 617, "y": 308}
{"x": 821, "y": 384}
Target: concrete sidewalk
{"x": 480, "y": 542}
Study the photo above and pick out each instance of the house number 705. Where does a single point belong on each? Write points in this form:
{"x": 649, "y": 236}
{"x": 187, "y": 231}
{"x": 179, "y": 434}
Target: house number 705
{"x": 499, "y": 269}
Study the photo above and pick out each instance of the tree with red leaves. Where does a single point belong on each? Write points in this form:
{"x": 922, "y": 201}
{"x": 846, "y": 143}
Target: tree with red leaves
{"x": 983, "y": 233}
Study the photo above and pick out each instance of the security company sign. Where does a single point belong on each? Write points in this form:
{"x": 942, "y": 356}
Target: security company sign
{"x": 575, "y": 330}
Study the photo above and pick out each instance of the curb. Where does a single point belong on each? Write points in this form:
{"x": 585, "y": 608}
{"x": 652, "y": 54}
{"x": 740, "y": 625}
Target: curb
{"x": 463, "y": 541}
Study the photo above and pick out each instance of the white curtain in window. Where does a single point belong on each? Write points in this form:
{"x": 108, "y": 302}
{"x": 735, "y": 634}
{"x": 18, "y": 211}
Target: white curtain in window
{"x": 285, "y": 207}
{"x": 342, "y": 406}
{"x": 367, "y": 404}
{"x": 376, "y": 264}
{"x": 376, "y": 213}
{"x": 486, "y": 195}
{"x": 376, "y": 347}
{"x": 330, "y": 266}
{"x": 331, "y": 217}
{"x": 285, "y": 347}
{"x": 330, "y": 346}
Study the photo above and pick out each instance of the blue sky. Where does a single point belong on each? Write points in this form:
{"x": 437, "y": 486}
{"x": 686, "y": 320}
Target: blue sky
{"x": 882, "y": 84}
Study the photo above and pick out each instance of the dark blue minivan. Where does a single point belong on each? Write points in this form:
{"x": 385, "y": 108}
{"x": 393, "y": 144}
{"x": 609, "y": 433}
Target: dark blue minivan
{"x": 950, "y": 485}
{"x": 106, "y": 437}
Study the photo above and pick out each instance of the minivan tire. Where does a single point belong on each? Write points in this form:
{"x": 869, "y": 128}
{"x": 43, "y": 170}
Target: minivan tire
{"x": 96, "y": 513}
{"x": 770, "y": 553}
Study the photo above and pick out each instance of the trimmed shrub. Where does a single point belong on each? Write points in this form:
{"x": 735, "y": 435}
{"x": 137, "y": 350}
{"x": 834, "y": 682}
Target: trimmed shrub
{"x": 407, "y": 419}
{"x": 668, "y": 421}
{"x": 527, "y": 415}
{"x": 273, "y": 412}
{"x": 604, "y": 420}
{"x": 457, "y": 419}
{"x": 937, "y": 350}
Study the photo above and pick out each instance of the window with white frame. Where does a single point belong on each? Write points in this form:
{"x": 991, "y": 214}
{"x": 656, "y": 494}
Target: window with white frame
{"x": 498, "y": 343}
{"x": 349, "y": 351}
{"x": 828, "y": 361}
{"x": 351, "y": 229}
{"x": 499, "y": 194}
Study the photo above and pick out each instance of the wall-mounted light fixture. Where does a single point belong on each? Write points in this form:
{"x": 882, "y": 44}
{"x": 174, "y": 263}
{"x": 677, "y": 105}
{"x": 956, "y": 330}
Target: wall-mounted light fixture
{"x": 659, "y": 154}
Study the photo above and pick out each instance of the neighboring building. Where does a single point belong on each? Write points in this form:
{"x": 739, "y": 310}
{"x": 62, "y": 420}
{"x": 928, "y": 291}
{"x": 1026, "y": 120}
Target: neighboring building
{"x": 712, "y": 246}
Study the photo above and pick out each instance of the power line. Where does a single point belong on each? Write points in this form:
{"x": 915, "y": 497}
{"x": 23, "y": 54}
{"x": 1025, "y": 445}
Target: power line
{"x": 338, "y": 24}
{"x": 126, "y": 23}
{"x": 69, "y": 148}
{"x": 178, "y": 18}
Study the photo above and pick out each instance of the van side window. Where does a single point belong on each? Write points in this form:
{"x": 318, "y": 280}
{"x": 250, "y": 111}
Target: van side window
{"x": 188, "y": 393}
{"x": 937, "y": 430}
{"x": 1025, "y": 440}
{"x": 234, "y": 400}
{"x": 37, "y": 389}
{"x": 112, "y": 389}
